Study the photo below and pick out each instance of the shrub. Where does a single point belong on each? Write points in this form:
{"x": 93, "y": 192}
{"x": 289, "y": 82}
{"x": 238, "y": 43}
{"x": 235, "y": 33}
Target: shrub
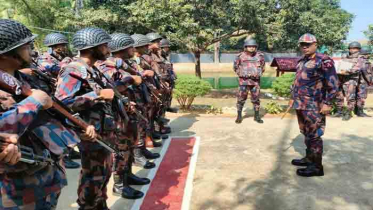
{"x": 189, "y": 87}
{"x": 273, "y": 108}
{"x": 282, "y": 85}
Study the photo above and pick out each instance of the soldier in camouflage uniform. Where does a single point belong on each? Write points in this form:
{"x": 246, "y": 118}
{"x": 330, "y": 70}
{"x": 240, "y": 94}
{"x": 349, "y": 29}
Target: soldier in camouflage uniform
{"x": 249, "y": 67}
{"x": 57, "y": 55}
{"x": 23, "y": 185}
{"x": 349, "y": 78}
{"x": 115, "y": 68}
{"x": 144, "y": 64}
{"x": 364, "y": 82}
{"x": 163, "y": 77}
{"x": 165, "y": 54}
{"x": 50, "y": 63}
{"x": 314, "y": 88}
{"x": 81, "y": 87}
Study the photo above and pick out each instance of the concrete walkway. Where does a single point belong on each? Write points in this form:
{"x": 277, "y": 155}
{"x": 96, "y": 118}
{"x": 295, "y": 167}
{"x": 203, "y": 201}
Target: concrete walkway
{"x": 247, "y": 166}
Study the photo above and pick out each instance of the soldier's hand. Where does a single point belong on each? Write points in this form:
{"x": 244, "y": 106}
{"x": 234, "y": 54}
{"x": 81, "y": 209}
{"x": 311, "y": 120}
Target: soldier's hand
{"x": 43, "y": 98}
{"x": 26, "y": 71}
{"x": 11, "y": 153}
{"x": 148, "y": 73}
{"x": 107, "y": 94}
{"x": 137, "y": 79}
{"x": 326, "y": 109}
{"x": 90, "y": 134}
{"x": 132, "y": 106}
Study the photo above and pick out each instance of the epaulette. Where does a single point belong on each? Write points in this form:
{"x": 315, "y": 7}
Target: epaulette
{"x": 79, "y": 70}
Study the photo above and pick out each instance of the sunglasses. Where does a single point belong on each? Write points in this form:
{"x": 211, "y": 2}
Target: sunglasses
{"x": 304, "y": 44}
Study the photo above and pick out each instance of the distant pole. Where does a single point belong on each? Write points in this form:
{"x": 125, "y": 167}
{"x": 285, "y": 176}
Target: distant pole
{"x": 216, "y": 50}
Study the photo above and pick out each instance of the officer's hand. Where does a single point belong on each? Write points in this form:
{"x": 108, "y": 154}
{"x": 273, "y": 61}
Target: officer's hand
{"x": 107, "y": 94}
{"x": 132, "y": 106}
{"x": 90, "y": 134}
{"x": 43, "y": 98}
{"x": 343, "y": 72}
{"x": 326, "y": 109}
{"x": 10, "y": 153}
{"x": 291, "y": 103}
{"x": 148, "y": 73}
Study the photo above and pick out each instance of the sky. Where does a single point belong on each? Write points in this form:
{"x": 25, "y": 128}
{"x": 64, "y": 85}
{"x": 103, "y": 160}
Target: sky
{"x": 363, "y": 11}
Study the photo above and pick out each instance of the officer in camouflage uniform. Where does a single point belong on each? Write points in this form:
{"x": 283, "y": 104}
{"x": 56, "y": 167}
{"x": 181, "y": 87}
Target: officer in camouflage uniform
{"x": 249, "y": 67}
{"x": 115, "y": 69}
{"x": 364, "y": 81}
{"x": 314, "y": 88}
{"x": 80, "y": 87}
{"x": 57, "y": 55}
{"x": 144, "y": 64}
{"x": 165, "y": 54}
{"x": 162, "y": 76}
{"x": 23, "y": 185}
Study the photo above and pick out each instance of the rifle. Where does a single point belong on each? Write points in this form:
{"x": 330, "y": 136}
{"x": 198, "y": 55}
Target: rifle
{"x": 27, "y": 154}
{"x": 122, "y": 100}
{"x": 9, "y": 84}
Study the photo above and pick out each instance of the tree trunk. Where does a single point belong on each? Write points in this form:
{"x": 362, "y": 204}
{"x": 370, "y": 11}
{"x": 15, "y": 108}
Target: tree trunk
{"x": 197, "y": 56}
{"x": 217, "y": 52}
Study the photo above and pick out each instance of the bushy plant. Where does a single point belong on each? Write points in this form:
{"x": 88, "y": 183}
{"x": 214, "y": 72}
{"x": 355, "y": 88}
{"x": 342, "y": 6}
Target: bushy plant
{"x": 273, "y": 108}
{"x": 188, "y": 88}
{"x": 282, "y": 85}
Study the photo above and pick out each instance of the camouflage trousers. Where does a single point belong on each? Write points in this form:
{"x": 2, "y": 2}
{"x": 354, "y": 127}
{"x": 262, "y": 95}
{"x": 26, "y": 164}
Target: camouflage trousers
{"x": 312, "y": 126}
{"x": 47, "y": 203}
{"x": 362, "y": 94}
{"x": 348, "y": 89}
{"x": 243, "y": 93}
{"x": 94, "y": 177}
{"x": 25, "y": 190}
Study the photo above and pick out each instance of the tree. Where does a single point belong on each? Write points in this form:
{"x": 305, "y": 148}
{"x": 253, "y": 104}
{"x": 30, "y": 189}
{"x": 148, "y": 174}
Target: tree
{"x": 277, "y": 24}
{"x": 369, "y": 34}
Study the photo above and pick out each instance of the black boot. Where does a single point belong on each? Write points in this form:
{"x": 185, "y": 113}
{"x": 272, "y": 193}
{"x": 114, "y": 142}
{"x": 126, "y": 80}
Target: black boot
{"x": 156, "y": 143}
{"x": 257, "y": 117}
{"x": 304, "y": 161}
{"x": 70, "y": 164}
{"x": 127, "y": 191}
{"x": 239, "y": 117}
{"x": 141, "y": 161}
{"x": 360, "y": 113}
{"x": 132, "y": 179}
{"x": 156, "y": 135}
{"x": 347, "y": 116}
{"x": 165, "y": 130}
{"x": 149, "y": 155}
{"x": 74, "y": 155}
{"x": 172, "y": 110}
{"x": 313, "y": 169}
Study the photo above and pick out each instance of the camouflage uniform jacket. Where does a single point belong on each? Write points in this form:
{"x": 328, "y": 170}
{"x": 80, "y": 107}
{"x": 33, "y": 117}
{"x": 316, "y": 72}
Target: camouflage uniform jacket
{"x": 23, "y": 182}
{"x": 52, "y": 64}
{"x": 249, "y": 67}
{"x": 161, "y": 66}
{"x": 78, "y": 88}
{"x": 316, "y": 82}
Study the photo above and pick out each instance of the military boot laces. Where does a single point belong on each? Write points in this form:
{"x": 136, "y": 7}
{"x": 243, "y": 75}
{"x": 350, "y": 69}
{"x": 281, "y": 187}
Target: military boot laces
{"x": 257, "y": 117}
{"x": 239, "y": 117}
{"x": 141, "y": 161}
{"x": 304, "y": 161}
{"x": 360, "y": 113}
{"x": 313, "y": 169}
